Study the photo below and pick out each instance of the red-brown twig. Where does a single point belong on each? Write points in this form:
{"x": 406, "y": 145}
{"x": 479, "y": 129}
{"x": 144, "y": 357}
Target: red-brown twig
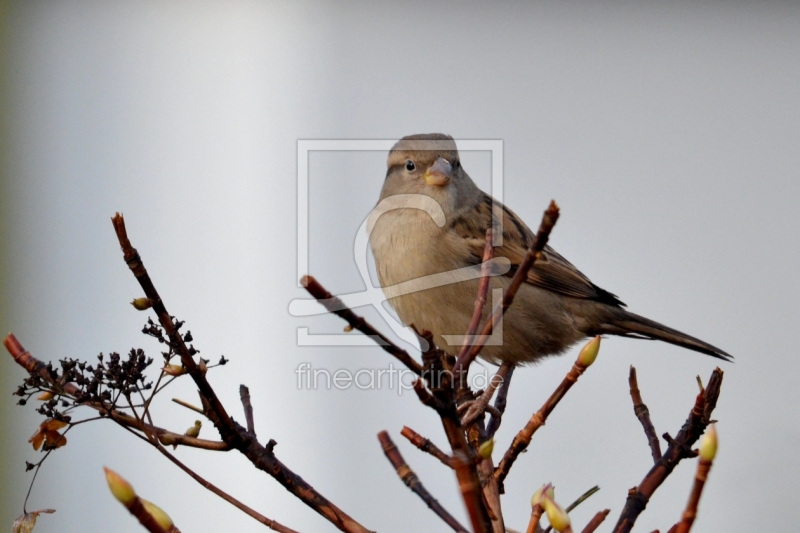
{"x": 480, "y": 301}
{"x": 643, "y": 414}
{"x": 703, "y": 467}
{"x": 525, "y": 435}
{"x": 477, "y": 408}
{"x": 536, "y": 515}
{"x": 335, "y": 306}
{"x": 678, "y": 449}
{"x": 244, "y": 394}
{"x": 412, "y": 481}
{"x": 500, "y": 405}
{"x": 596, "y": 520}
{"x": 540, "y": 241}
{"x": 232, "y": 433}
{"x": 272, "y": 524}
{"x": 426, "y": 446}
{"x": 442, "y": 399}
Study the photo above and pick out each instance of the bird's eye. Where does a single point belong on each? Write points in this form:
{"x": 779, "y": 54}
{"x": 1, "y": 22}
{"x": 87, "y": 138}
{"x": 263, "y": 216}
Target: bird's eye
{"x": 410, "y": 166}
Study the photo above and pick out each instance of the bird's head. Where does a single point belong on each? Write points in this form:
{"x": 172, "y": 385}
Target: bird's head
{"x": 427, "y": 164}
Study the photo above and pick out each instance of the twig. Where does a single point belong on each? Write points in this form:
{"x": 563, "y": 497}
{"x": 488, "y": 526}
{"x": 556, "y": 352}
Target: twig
{"x": 442, "y": 399}
{"x": 643, "y": 414}
{"x": 477, "y": 408}
{"x": 272, "y": 524}
{"x": 595, "y": 522}
{"x": 524, "y": 437}
{"x": 540, "y": 241}
{"x": 426, "y": 446}
{"x": 536, "y": 514}
{"x": 244, "y": 394}
{"x": 188, "y": 406}
{"x": 134, "y": 262}
{"x": 703, "y": 467}
{"x": 232, "y": 433}
{"x": 335, "y": 305}
{"x": 412, "y": 482}
{"x": 500, "y": 404}
{"x": 480, "y": 301}
{"x": 678, "y": 449}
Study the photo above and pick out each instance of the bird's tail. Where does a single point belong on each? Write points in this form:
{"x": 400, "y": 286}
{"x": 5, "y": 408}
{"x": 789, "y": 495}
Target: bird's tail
{"x": 627, "y": 324}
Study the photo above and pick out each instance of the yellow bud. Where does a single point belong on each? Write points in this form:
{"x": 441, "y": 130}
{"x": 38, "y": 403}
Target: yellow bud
{"x": 174, "y": 370}
{"x": 485, "y": 450}
{"x": 46, "y": 395}
{"x": 547, "y": 490}
{"x": 158, "y": 514}
{"x": 202, "y": 366}
{"x": 348, "y": 328}
{"x": 555, "y": 514}
{"x": 708, "y": 446}
{"x": 142, "y": 304}
{"x": 121, "y": 489}
{"x": 194, "y": 431}
{"x": 589, "y": 352}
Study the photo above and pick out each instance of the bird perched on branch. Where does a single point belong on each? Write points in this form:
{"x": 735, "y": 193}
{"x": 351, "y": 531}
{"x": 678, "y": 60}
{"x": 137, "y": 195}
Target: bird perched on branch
{"x": 414, "y": 239}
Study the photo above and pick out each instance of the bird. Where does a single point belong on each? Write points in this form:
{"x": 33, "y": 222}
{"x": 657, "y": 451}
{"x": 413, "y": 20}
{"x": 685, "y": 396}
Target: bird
{"x": 555, "y": 307}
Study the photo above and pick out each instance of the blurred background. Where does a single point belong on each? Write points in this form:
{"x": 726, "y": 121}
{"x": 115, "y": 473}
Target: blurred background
{"x": 667, "y": 132}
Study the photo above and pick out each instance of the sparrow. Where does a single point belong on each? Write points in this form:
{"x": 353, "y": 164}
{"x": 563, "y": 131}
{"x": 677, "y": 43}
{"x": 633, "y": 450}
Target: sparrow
{"x": 436, "y": 224}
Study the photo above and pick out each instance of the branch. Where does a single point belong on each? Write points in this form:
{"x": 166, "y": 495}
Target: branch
{"x": 426, "y": 446}
{"x": 539, "y": 242}
{"x": 477, "y": 408}
{"x": 244, "y": 394}
{"x": 679, "y": 448}
{"x": 442, "y": 399}
{"x": 272, "y": 524}
{"x": 500, "y": 405}
{"x": 643, "y": 414}
{"x": 232, "y": 433}
{"x": 536, "y": 515}
{"x": 335, "y": 305}
{"x": 595, "y": 522}
{"x": 480, "y": 301}
{"x": 412, "y": 481}
{"x": 708, "y": 449}
{"x": 523, "y": 438}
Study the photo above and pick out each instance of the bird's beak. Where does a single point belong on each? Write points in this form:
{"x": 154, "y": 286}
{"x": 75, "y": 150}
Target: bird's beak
{"x": 439, "y": 173}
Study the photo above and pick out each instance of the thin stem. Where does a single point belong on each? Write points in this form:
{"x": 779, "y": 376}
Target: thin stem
{"x": 643, "y": 414}
{"x": 412, "y": 482}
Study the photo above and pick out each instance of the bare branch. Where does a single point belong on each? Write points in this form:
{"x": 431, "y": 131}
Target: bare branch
{"x": 524, "y": 437}
{"x": 478, "y": 407}
{"x": 548, "y": 221}
{"x": 244, "y": 394}
{"x": 500, "y": 405}
{"x": 643, "y": 414}
{"x": 412, "y": 482}
{"x": 678, "y": 449}
{"x": 595, "y": 522}
{"x": 426, "y": 446}
{"x": 335, "y": 305}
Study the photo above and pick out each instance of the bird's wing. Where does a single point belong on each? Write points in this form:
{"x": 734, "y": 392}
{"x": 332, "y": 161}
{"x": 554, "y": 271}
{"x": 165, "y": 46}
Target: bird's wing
{"x": 552, "y": 272}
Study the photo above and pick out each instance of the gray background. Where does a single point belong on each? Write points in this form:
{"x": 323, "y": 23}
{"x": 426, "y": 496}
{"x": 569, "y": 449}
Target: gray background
{"x": 668, "y": 133}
